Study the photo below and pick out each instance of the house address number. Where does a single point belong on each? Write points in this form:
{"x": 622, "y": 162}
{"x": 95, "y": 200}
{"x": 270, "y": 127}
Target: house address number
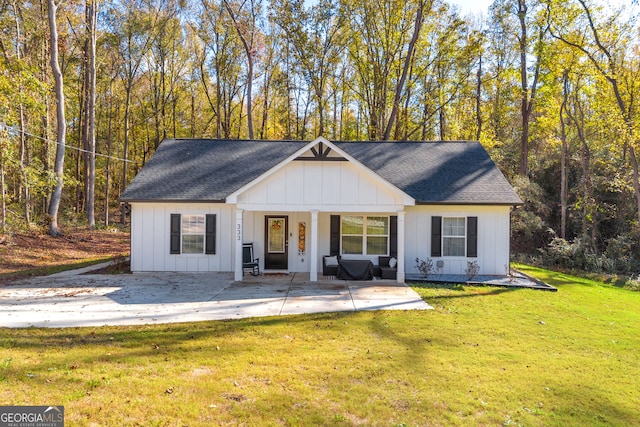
{"x": 238, "y": 231}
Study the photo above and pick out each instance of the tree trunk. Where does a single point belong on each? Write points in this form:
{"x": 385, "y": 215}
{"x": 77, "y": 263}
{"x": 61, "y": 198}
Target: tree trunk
{"x": 335, "y": 115}
{"x": 23, "y": 163}
{"x": 24, "y": 181}
{"x": 589, "y": 219}
{"x": 90, "y": 159}
{"x": 249, "y": 95}
{"x": 478, "y": 100}
{"x": 288, "y": 80}
{"x": 125, "y": 150}
{"x": 108, "y": 177}
{"x": 247, "y": 43}
{"x": 319, "y": 95}
{"x": 265, "y": 106}
{"x": 636, "y": 176}
{"x": 79, "y": 176}
{"x": 46, "y": 119}
{"x": 524, "y": 100}
{"x": 3, "y": 221}
{"x": 563, "y": 164}
{"x": 58, "y": 169}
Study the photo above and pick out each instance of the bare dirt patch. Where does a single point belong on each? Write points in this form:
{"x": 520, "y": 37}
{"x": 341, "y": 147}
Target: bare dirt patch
{"x": 31, "y": 253}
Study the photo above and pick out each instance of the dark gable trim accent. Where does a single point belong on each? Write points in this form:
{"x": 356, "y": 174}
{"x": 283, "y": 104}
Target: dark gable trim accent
{"x": 334, "y": 236}
{"x": 210, "y": 234}
{"x": 321, "y": 153}
{"x": 393, "y": 236}
{"x": 472, "y": 236}
{"x": 174, "y": 247}
{"x": 436, "y": 236}
{"x": 322, "y": 159}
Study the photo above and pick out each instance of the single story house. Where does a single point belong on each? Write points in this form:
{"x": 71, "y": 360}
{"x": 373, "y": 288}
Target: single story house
{"x": 196, "y": 201}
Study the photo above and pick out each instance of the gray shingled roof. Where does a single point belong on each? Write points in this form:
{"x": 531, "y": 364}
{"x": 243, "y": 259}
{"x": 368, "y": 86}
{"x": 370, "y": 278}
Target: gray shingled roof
{"x": 437, "y": 172}
{"x": 430, "y": 172}
{"x": 205, "y": 169}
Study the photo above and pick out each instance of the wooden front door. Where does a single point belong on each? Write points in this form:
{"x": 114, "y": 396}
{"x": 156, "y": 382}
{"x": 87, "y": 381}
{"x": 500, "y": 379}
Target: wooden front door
{"x": 276, "y": 243}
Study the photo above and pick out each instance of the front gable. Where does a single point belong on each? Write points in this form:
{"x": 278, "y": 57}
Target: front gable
{"x": 320, "y": 176}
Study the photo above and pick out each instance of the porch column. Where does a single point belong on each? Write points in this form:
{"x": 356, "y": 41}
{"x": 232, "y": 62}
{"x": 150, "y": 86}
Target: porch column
{"x": 313, "y": 256}
{"x": 400, "y": 275}
{"x": 238, "y": 238}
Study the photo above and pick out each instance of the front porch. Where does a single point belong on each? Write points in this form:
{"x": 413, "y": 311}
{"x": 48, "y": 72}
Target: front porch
{"x": 298, "y": 240}
{"x": 305, "y": 193}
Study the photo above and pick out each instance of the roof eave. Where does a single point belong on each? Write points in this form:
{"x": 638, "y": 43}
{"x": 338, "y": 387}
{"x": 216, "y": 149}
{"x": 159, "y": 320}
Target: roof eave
{"x": 172, "y": 201}
{"x": 468, "y": 203}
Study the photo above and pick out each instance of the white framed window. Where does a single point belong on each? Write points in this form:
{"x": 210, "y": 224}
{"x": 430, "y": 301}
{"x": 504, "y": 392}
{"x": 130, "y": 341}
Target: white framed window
{"x": 364, "y": 235}
{"x": 193, "y": 230}
{"x": 192, "y": 234}
{"x": 454, "y": 237}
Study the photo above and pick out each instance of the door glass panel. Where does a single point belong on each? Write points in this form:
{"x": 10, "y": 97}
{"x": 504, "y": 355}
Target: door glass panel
{"x": 276, "y": 235}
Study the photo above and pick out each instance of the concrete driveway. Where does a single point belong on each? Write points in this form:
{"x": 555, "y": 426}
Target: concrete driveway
{"x": 70, "y": 299}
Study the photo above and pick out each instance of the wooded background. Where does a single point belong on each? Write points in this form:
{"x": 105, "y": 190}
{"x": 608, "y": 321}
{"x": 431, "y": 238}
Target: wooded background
{"x": 549, "y": 87}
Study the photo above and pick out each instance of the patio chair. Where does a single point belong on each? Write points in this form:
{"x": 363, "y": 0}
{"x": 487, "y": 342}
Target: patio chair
{"x": 387, "y": 271}
{"x": 330, "y": 266}
{"x": 248, "y": 261}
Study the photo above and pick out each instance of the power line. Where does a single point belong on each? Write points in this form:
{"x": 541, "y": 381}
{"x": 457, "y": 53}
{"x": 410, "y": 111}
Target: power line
{"x": 14, "y": 129}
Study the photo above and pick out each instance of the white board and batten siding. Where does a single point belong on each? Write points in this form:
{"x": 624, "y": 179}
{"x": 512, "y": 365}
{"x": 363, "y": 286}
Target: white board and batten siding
{"x": 150, "y": 238}
{"x": 493, "y": 238}
{"x": 323, "y": 186}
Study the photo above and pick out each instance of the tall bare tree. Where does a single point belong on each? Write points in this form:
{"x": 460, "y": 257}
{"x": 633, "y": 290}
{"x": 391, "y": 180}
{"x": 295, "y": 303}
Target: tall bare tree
{"x": 21, "y": 117}
{"x": 245, "y": 23}
{"x": 58, "y": 169}
{"x": 405, "y": 69}
{"x": 528, "y": 94}
{"x": 89, "y": 123}
{"x": 3, "y": 195}
{"x": 563, "y": 156}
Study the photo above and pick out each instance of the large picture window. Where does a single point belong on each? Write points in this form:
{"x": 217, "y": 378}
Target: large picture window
{"x": 365, "y": 235}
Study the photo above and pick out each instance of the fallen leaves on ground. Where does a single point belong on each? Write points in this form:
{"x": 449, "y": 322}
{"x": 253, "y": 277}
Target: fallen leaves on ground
{"x": 21, "y": 252}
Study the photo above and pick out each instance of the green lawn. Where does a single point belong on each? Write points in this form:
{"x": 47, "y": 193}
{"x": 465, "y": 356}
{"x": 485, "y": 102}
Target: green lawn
{"x": 484, "y": 356}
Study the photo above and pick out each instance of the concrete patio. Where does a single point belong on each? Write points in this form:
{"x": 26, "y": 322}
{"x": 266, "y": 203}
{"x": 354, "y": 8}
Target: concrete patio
{"x": 72, "y": 299}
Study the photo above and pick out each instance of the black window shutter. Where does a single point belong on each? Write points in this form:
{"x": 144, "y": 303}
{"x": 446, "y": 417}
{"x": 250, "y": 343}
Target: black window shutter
{"x": 210, "y": 234}
{"x": 472, "y": 236}
{"x": 175, "y": 234}
{"x": 436, "y": 236}
{"x": 393, "y": 236}
{"x": 334, "y": 242}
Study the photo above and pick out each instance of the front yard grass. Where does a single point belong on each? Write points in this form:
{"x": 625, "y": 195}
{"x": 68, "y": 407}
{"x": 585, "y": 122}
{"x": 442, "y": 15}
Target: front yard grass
{"x": 484, "y": 356}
